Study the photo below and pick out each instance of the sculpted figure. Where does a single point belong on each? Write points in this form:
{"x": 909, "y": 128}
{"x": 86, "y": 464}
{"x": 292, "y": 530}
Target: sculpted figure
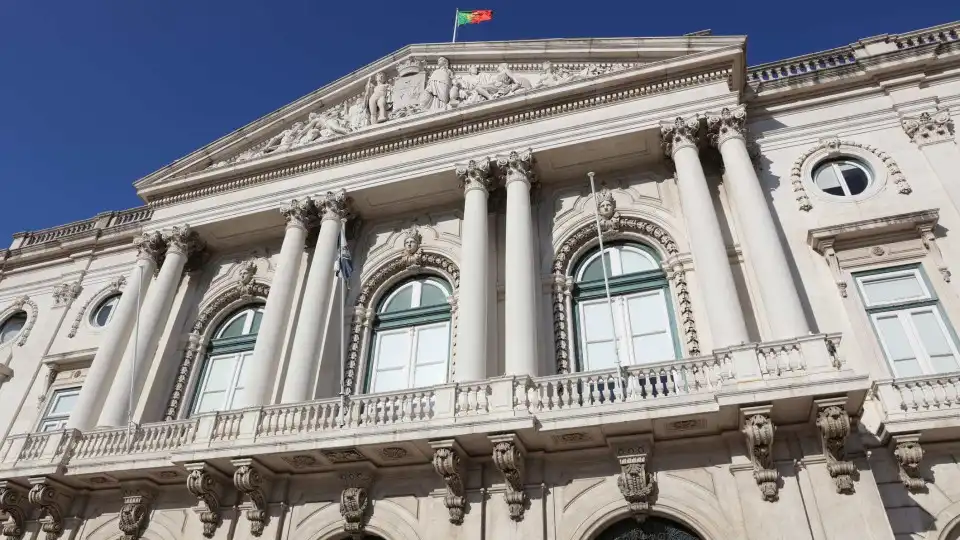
{"x": 376, "y": 98}
{"x": 551, "y": 75}
{"x": 326, "y": 125}
{"x": 440, "y": 93}
{"x": 476, "y": 86}
{"x": 506, "y": 83}
{"x": 357, "y": 116}
{"x": 283, "y": 140}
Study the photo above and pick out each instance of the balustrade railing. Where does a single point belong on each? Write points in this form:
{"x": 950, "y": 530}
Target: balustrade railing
{"x": 147, "y": 438}
{"x": 930, "y": 393}
{"x": 793, "y": 67}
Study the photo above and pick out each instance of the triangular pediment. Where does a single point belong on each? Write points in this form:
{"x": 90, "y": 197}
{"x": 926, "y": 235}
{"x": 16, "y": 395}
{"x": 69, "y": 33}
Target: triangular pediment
{"x": 423, "y": 80}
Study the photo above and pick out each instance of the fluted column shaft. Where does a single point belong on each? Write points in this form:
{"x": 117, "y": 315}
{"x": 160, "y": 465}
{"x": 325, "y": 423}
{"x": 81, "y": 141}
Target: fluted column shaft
{"x": 305, "y": 356}
{"x": 142, "y": 348}
{"x": 262, "y": 371}
{"x": 520, "y": 330}
{"x": 103, "y": 369}
{"x": 476, "y": 180}
{"x": 781, "y": 300}
{"x": 724, "y": 313}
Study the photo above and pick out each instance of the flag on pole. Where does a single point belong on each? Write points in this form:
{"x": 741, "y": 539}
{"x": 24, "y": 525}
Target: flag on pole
{"x": 473, "y": 17}
{"x": 344, "y": 261}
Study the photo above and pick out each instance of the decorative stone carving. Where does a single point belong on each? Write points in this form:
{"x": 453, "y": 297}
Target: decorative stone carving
{"x": 679, "y": 133}
{"x": 376, "y": 96}
{"x": 637, "y": 485}
{"x": 727, "y": 124}
{"x": 13, "y": 502}
{"x": 678, "y": 275}
{"x": 184, "y": 239}
{"x": 759, "y": 430}
{"x": 909, "y": 454}
{"x": 249, "y": 481}
{"x": 929, "y": 240}
{"x": 476, "y": 174}
{"x": 113, "y": 287}
{"x": 241, "y": 290}
{"x": 299, "y": 213}
{"x": 134, "y": 512}
{"x": 607, "y": 209}
{"x": 64, "y": 293}
{"x": 248, "y": 270}
{"x": 412, "y": 252}
{"x": 333, "y": 205}
{"x": 363, "y": 309}
{"x": 834, "y": 425}
{"x": 835, "y": 144}
{"x": 207, "y": 489}
{"x": 552, "y": 75}
{"x": 151, "y": 246}
{"x": 354, "y": 502}
{"x": 447, "y": 463}
{"x": 441, "y": 92}
{"x": 508, "y": 456}
{"x": 51, "y": 499}
{"x": 517, "y": 167}
{"x": 25, "y": 304}
{"x": 929, "y": 128}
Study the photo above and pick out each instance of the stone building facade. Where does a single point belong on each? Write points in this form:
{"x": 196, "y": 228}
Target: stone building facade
{"x": 776, "y": 357}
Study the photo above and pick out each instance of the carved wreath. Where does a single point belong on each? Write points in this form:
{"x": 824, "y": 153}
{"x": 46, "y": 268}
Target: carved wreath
{"x": 563, "y": 265}
{"x": 25, "y": 304}
{"x": 241, "y": 290}
{"x": 363, "y": 308}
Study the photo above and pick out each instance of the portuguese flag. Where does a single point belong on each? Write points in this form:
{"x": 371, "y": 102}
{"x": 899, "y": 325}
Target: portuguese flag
{"x": 473, "y": 17}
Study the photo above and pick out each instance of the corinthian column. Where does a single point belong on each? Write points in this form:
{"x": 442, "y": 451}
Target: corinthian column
{"x": 262, "y": 370}
{"x": 142, "y": 349}
{"x": 933, "y": 133}
{"x": 520, "y": 329}
{"x": 713, "y": 272}
{"x": 780, "y": 298}
{"x": 305, "y": 354}
{"x": 151, "y": 248}
{"x": 476, "y": 180}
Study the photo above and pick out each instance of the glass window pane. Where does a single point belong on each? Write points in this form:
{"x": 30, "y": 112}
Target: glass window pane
{"x": 826, "y": 179}
{"x": 648, "y": 313}
{"x": 432, "y": 295}
{"x": 63, "y": 403}
{"x": 432, "y": 345}
{"x": 429, "y": 375}
{"x": 12, "y": 326}
{"x": 211, "y": 401}
{"x": 595, "y": 320}
{"x": 891, "y": 289}
{"x": 934, "y": 341}
{"x": 631, "y": 260}
{"x": 653, "y": 348}
{"x": 105, "y": 311}
{"x": 600, "y": 355}
{"x": 855, "y": 177}
{"x": 389, "y": 380}
{"x": 257, "y": 318}
{"x": 220, "y": 373}
{"x": 899, "y": 350}
{"x": 53, "y": 425}
{"x": 393, "y": 349}
{"x": 403, "y": 299}
{"x": 594, "y": 270}
{"x": 239, "y": 400}
{"x": 235, "y": 328}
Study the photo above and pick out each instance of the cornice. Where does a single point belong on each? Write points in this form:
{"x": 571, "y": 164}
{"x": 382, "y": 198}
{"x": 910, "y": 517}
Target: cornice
{"x": 822, "y": 237}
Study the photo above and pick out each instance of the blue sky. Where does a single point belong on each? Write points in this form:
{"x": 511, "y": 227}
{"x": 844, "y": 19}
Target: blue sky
{"x": 98, "y": 93}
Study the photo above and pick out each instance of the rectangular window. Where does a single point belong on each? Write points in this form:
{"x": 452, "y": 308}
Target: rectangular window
{"x": 410, "y": 357}
{"x": 222, "y": 386}
{"x": 642, "y": 326}
{"x": 906, "y": 316}
{"x": 58, "y": 412}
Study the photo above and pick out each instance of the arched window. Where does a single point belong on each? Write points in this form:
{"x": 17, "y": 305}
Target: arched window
{"x": 11, "y": 327}
{"x": 643, "y": 320}
{"x": 105, "y": 310}
{"x": 230, "y": 349}
{"x": 651, "y": 527}
{"x": 411, "y": 338}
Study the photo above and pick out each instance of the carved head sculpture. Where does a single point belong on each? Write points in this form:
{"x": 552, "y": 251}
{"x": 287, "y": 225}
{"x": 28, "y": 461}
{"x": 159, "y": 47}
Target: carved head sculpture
{"x": 442, "y": 62}
{"x": 380, "y": 77}
{"x": 546, "y": 66}
{"x": 411, "y": 240}
{"x": 606, "y": 204}
{"x": 474, "y": 70}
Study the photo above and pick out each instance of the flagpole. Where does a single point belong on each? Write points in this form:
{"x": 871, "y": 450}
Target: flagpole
{"x": 606, "y": 285}
{"x": 343, "y": 301}
{"x": 456, "y": 24}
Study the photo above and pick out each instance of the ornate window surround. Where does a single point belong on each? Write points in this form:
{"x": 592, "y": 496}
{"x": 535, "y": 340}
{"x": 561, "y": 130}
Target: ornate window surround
{"x": 224, "y": 302}
{"x": 413, "y": 261}
{"x": 115, "y": 286}
{"x": 28, "y": 306}
{"x": 881, "y": 165}
{"x": 617, "y": 227}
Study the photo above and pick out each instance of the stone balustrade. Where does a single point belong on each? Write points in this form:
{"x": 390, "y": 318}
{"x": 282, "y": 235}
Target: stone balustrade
{"x": 919, "y": 403}
{"x": 801, "y": 65}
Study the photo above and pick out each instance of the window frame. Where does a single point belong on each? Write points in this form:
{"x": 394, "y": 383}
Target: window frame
{"x": 834, "y": 162}
{"x": 10, "y": 317}
{"x": 240, "y": 347}
{"x": 92, "y": 319}
{"x": 904, "y": 309}
{"x": 59, "y": 420}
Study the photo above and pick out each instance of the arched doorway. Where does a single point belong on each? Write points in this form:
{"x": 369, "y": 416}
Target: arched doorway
{"x": 652, "y": 528}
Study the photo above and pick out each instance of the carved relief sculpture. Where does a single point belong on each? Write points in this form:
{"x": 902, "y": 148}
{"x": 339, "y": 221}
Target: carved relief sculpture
{"x": 929, "y": 128}
{"x": 441, "y": 92}
{"x": 134, "y": 512}
{"x": 834, "y": 425}
{"x": 13, "y": 501}
{"x": 909, "y": 454}
{"x": 376, "y": 97}
{"x": 446, "y": 461}
{"x": 636, "y": 484}
{"x": 64, "y": 293}
{"x": 248, "y": 481}
{"x": 508, "y": 456}
{"x": 202, "y": 485}
{"x": 354, "y": 502}
{"x": 759, "y": 430}
{"x": 412, "y": 252}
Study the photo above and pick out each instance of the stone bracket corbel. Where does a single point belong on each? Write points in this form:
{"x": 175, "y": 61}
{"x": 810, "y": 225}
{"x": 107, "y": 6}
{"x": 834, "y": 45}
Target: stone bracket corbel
{"x": 53, "y": 499}
{"x": 829, "y": 253}
{"x": 13, "y": 503}
{"x": 925, "y": 230}
{"x": 138, "y": 497}
{"x": 757, "y": 426}
{"x": 508, "y": 456}
{"x": 635, "y": 481}
{"x": 207, "y": 485}
{"x": 448, "y": 462}
{"x": 252, "y": 479}
{"x": 835, "y": 424}
{"x": 909, "y": 454}
{"x": 355, "y": 501}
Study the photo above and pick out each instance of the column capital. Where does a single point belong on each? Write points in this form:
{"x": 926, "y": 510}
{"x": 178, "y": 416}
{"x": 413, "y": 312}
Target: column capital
{"x": 929, "y": 128}
{"x": 679, "y": 133}
{"x": 334, "y": 205}
{"x": 516, "y": 167}
{"x": 150, "y": 246}
{"x": 728, "y": 124}
{"x": 183, "y": 239}
{"x": 298, "y": 212}
{"x": 476, "y": 174}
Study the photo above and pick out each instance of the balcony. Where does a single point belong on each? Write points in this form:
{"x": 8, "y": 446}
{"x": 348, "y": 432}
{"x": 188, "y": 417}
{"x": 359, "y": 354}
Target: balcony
{"x": 697, "y": 392}
{"x": 916, "y": 404}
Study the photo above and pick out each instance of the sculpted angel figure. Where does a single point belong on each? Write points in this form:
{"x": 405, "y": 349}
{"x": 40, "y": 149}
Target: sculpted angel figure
{"x": 376, "y": 97}
{"x": 283, "y": 140}
{"x": 441, "y": 92}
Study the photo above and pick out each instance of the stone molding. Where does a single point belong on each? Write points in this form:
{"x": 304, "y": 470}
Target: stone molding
{"x": 448, "y": 464}
{"x": 246, "y": 288}
{"x": 509, "y": 456}
{"x": 25, "y": 304}
{"x": 52, "y": 498}
{"x": 249, "y": 479}
{"x": 679, "y": 133}
{"x": 355, "y": 501}
{"x": 758, "y": 430}
{"x": 615, "y": 226}
{"x": 929, "y": 128}
{"x": 909, "y": 454}
{"x": 204, "y": 483}
{"x": 13, "y": 503}
{"x": 834, "y": 425}
{"x": 137, "y": 501}
{"x": 729, "y": 123}
{"x": 834, "y": 146}
{"x": 412, "y": 261}
{"x": 114, "y": 286}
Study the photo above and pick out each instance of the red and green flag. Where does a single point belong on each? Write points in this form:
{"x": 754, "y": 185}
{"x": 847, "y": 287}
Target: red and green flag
{"x": 473, "y": 17}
